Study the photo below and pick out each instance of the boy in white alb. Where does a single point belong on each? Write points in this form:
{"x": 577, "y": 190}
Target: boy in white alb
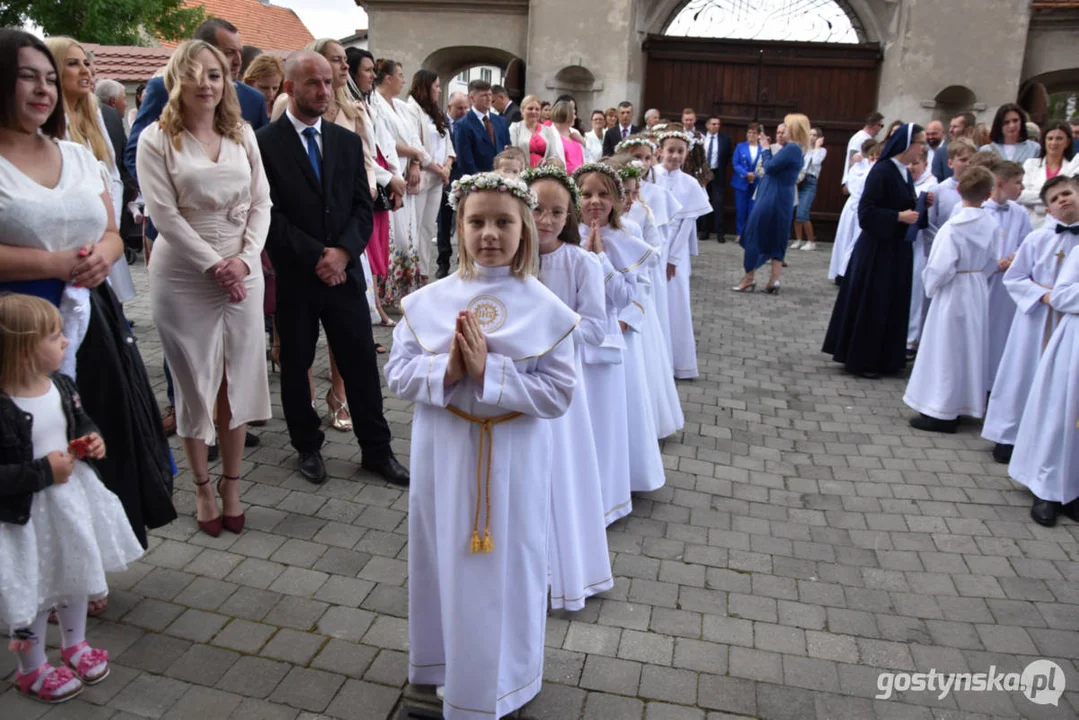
{"x": 848, "y": 229}
{"x": 1013, "y": 225}
{"x": 1029, "y": 281}
{"x": 948, "y": 379}
{"x": 946, "y": 194}
{"x": 923, "y": 183}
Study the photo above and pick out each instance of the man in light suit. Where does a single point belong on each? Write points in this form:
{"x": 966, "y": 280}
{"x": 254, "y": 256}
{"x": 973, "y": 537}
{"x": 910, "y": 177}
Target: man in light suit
{"x": 505, "y": 107}
{"x": 480, "y": 135}
{"x": 622, "y": 130}
{"x": 455, "y": 110}
{"x": 962, "y": 125}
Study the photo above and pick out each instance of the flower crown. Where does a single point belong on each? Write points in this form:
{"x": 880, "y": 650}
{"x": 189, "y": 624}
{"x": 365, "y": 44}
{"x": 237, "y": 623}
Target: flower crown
{"x": 553, "y": 172}
{"x": 604, "y": 169}
{"x": 676, "y": 135}
{"x": 630, "y": 143}
{"x": 631, "y": 171}
{"x": 490, "y": 182}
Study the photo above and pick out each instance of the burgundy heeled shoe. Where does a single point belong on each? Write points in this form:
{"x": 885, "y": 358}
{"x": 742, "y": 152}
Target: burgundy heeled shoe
{"x": 210, "y": 527}
{"x": 232, "y": 523}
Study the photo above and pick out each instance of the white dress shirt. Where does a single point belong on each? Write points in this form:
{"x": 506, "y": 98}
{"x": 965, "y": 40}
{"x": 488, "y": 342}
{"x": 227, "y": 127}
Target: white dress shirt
{"x": 299, "y": 126}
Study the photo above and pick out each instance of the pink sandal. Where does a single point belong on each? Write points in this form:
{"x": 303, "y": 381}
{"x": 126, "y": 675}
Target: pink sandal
{"x": 93, "y": 664}
{"x": 48, "y": 692}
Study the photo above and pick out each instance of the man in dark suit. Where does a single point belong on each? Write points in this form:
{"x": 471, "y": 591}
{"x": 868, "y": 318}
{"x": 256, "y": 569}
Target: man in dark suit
{"x": 962, "y": 125}
{"x": 319, "y": 227}
{"x": 480, "y": 135}
{"x": 456, "y": 109}
{"x": 622, "y": 130}
{"x": 505, "y": 107}
{"x": 112, "y": 99}
{"x": 224, "y": 36}
{"x": 717, "y": 152}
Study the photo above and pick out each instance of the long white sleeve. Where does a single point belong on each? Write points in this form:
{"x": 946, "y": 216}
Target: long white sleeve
{"x": 258, "y": 215}
{"x": 1018, "y": 281}
{"x": 678, "y": 254}
{"x": 591, "y": 305}
{"x": 1065, "y": 295}
{"x": 634, "y": 313}
{"x": 545, "y": 391}
{"x": 412, "y": 374}
{"x": 943, "y": 262}
{"x": 616, "y": 286}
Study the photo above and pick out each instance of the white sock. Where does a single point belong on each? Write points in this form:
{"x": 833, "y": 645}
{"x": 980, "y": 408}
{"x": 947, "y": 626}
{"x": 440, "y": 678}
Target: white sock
{"x": 71, "y": 614}
{"x": 33, "y": 658}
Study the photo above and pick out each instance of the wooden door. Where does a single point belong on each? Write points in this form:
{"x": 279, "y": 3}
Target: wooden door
{"x": 746, "y": 80}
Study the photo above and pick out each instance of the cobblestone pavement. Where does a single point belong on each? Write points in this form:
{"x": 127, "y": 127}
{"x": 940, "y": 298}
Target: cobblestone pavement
{"x": 807, "y": 540}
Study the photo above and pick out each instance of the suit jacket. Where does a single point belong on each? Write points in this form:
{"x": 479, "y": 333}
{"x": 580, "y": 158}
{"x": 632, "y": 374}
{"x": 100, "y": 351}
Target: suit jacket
{"x": 154, "y": 99}
{"x": 743, "y": 163}
{"x": 724, "y": 147}
{"x": 613, "y": 136}
{"x": 512, "y": 113}
{"x": 309, "y": 216}
{"x": 114, "y": 123}
{"x": 940, "y": 168}
{"x": 475, "y": 151}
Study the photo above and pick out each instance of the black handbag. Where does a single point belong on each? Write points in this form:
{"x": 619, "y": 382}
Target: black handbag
{"x": 382, "y": 198}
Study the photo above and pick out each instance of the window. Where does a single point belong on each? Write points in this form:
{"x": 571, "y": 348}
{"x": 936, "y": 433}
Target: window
{"x": 485, "y": 74}
{"x": 463, "y": 76}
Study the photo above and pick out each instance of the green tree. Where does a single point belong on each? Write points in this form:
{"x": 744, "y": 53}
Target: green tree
{"x": 106, "y": 22}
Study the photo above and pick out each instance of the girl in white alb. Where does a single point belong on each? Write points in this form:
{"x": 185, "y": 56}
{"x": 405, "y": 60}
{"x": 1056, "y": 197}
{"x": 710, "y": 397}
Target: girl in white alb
{"x": 580, "y": 565}
{"x": 848, "y": 229}
{"x": 487, "y": 357}
{"x": 601, "y": 200}
{"x": 61, "y": 530}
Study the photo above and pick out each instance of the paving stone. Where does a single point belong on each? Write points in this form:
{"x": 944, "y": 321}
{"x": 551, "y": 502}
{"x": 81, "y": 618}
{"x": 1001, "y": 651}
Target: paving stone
{"x": 197, "y": 625}
{"x": 592, "y": 639}
{"x": 150, "y": 696}
{"x": 299, "y": 582}
{"x": 250, "y": 604}
{"x": 611, "y": 675}
{"x": 672, "y": 685}
{"x": 202, "y": 665}
{"x": 756, "y": 665}
{"x": 388, "y": 632}
{"x": 345, "y": 623}
{"x": 201, "y": 703}
{"x": 389, "y": 668}
{"x": 206, "y": 593}
{"x": 154, "y": 653}
{"x": 346, "y": 591}
{"x": 253, "y": 677}
{"x": 646, "y": 647}
{"x": 715, "y": 692}
{"x": 153, "y": 614}
{"x": 254, "y": 709}
{"x": 556, "y": 702}
{"x": 612, "y": 707}
{"x": 296, "y": 612}
{"x": 307, "y": 689}
{"x": 358, "y": 700}
{"x": 244, "y": 636}
{"x": 293, "y": 646}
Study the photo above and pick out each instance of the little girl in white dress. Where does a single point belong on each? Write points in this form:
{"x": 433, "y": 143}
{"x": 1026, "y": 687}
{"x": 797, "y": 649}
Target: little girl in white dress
{"x": 61, "y": 530}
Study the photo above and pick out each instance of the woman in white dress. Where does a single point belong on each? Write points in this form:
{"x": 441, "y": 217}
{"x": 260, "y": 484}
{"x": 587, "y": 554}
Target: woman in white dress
{"x": 201, "y": 175}
{"x": 1057, "y": 156}
{"x": 392, "y": 113}
{"x": 593, "y": 139}
{"x": 86, "y": 125}
{"x": 432, "y": 128}
{"x": 530, "y": 124}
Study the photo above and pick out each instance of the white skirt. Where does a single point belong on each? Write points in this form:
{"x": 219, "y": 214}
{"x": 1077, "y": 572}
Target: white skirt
{"x": 663, "y": 393}
{"x": 605, "y": 387}
{"x": 846, "y": 235}
{"x": 77, "y": 532}
{"x": 646, "y": 471}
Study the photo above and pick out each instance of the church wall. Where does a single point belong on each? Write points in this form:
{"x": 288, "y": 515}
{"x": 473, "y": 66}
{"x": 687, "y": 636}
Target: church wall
{"x": 1052, "y": 47}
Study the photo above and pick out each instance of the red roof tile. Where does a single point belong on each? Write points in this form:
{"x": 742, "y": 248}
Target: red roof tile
{"x": 264, "y": 26}
{"x": 128, "y": 64}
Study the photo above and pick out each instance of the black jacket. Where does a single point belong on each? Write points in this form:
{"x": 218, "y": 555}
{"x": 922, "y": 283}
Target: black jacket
{"x": 308, "y": 215}
{"x": 20, "y": 474}
{"x": 613, "y": 136}
{"x": 114, "y": 123}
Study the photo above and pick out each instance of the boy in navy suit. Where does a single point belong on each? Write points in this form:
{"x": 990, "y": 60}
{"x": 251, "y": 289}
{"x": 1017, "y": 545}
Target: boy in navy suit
{"x": 480, "y": 134}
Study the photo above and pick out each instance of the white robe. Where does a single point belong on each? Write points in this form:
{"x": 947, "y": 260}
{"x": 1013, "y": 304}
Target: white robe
{"x": 1046, "y": 456}
{"x": 848, "y": 229}
{"x": 1013, "y": 225}
{"x": 580, "y": 565}
{"x": 1032, "y": 274}
{"x": 854, "y": 146}
{"x": 948, "y": 379}
{"x": 662, "y": 391}
{"x": 630, "y": 257}
{"x": 680, "y": 232}
{"x": 918, "y": 304}
{"x": 945, "y": 200}
{"x": 660, "y": 201}
{"x": 477, "y": 619}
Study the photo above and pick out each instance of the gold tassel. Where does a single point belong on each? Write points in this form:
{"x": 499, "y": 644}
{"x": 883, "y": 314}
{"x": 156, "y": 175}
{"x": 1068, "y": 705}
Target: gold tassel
{"x": 476, "y": 544}
{"x": 488, "y": 543}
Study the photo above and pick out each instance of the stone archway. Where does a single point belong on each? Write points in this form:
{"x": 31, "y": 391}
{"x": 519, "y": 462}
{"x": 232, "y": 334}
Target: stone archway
{"x": 953, "y": 100}
{"x": 449, "y": 61}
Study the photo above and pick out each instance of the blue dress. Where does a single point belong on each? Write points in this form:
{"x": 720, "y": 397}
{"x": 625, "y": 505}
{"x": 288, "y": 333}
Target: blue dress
{"x": 769, "y": 226}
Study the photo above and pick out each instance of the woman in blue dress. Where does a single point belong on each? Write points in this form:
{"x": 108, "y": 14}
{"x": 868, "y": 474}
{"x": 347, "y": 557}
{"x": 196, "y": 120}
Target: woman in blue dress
{"x": 769, "y": 226}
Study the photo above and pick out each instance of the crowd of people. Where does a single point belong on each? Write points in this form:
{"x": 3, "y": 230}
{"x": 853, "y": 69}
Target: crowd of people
{"x": 310, "y": 196}
{"x": 957, "y": 256}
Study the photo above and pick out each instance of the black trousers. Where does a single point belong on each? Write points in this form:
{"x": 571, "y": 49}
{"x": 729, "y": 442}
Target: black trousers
{"x": 302, "y": 304}
{"x": 713, "y": 221}
{"x": 446, "y": 222}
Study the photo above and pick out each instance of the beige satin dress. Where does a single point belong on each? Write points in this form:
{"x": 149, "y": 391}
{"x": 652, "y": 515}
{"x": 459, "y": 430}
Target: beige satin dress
{"x": 206, "y": 212}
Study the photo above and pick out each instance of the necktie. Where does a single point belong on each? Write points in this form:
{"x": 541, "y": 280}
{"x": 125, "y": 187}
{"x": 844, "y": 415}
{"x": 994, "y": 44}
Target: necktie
{"x": 312, "y": 151}
{"x": 1001, "y": 208}
{"x": 489, "y": 128}
{"x": 625, "y": 132}
{"x": 712, "y": 152}
{"x": 1073, "y": 229}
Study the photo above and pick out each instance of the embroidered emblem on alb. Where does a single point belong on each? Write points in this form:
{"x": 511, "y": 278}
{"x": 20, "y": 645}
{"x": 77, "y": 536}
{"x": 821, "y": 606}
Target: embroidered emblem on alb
{"x": 490, "y": 312}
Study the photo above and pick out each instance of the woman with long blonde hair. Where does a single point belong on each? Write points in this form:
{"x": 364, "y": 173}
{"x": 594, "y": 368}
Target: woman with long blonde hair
{"x": 201, "y": 175}
{"x": 86, "y": 126}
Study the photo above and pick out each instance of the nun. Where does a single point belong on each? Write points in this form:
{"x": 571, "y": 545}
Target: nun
{"x": 868, "y": 329}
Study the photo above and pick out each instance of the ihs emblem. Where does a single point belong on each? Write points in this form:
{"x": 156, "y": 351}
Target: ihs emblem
{"x": 490, "y": 312}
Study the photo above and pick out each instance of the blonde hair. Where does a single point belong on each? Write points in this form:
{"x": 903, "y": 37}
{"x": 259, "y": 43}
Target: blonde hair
{"x": 511, "y": 154}
{"x": 798, "y": 129}
{"x": 617, "y": 203}
{"x": 562, "y": 112}
{"x": 183, "y": 66}
{"x": 524, "y": 260}
{"x": 25, "y": 321}
{"x": 530, "y": 99}
{"x": 81, "y": 114}
{"x": 344, "y": 101}
{"x": 265, "y": 65}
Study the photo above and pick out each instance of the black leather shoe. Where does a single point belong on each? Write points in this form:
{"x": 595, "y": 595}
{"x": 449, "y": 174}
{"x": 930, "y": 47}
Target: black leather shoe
{"x": 722, "y": 239}
{"x": 1003, "y": 453}
{"x": 312, "y": 467}
{"x": 1045, "y": 512}
{"x": 441, "y": 273}
{"x": 1071, "y": 510}
{"x": 388, "y": 469}
{"x": 252, "y": 440}
{"x": 931, "y": 424}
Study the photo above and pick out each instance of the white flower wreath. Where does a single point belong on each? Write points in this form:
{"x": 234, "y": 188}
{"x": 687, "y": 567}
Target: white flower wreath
{"x": 676, "y": 135}
{"x": 553, "y": 172}
{"x": 490, "y": 182}
{"x": 600, "y": 168}
{"x": 630, "y": 143}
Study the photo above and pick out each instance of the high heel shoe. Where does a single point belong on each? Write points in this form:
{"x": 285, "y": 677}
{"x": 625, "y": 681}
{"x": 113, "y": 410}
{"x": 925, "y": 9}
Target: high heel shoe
{"x": 740, "y": 288}
{"x": 232, "y": 523}
{"x": 772, "y": 289}
{"x": 210, "y": 527}
{"x": 339, "y": 416}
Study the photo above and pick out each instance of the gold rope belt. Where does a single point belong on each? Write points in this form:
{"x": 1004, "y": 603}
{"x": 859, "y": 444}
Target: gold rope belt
{"x": 486, "y": 431}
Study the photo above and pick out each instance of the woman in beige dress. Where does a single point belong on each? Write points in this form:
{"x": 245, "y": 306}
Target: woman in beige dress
{"x": 202, "y": 178}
